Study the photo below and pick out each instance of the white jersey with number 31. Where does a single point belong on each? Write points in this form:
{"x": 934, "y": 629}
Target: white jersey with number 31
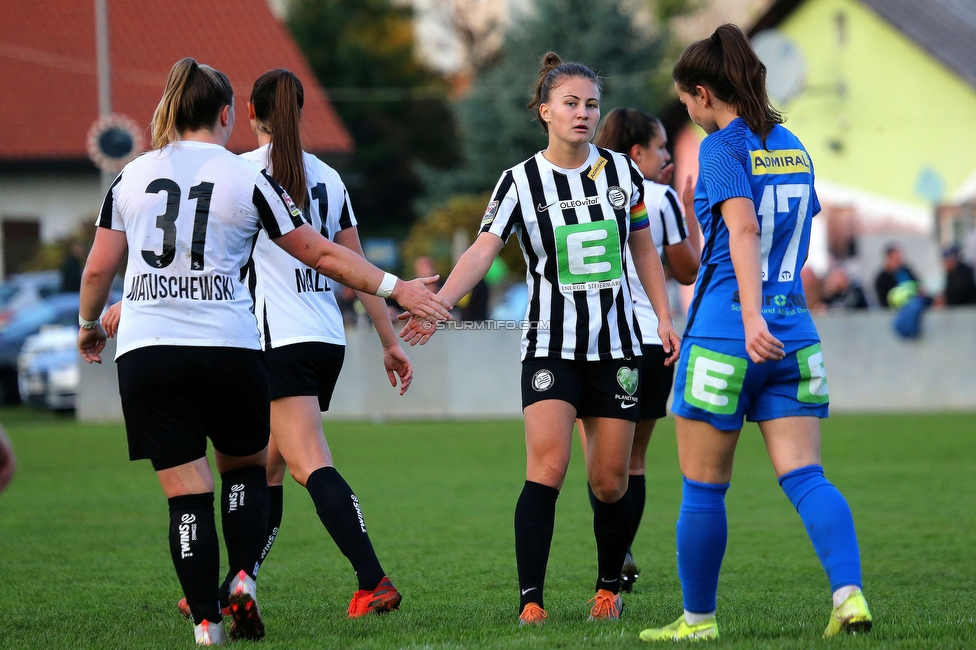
{"x": 190, "y": 212}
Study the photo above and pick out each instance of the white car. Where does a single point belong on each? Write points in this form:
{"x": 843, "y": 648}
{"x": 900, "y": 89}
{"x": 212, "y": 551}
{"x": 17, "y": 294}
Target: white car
{"x": 48, "y": 368}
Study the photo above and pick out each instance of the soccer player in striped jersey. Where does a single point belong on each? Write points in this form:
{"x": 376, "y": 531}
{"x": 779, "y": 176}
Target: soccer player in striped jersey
{"x": 751, "y": 348}
{"x": 576, "y": 209}
{"x": 190, "y": 368}
{"x": 643, "y": 139}
{"x": 303, "y": 339}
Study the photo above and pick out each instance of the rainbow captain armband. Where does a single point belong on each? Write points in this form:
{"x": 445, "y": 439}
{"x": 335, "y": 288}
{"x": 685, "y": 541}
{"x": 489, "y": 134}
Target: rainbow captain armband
{"x": 638, "y": 217}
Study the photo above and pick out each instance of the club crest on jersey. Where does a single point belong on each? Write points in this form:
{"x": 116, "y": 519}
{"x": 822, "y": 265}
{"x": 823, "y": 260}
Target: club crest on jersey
{"x": 617, "y": 197}
{"x": 292, "y": 208}
{"x": 542, "y": 380}
{"x": 490, "y": 213}
{"x": 627, "y": 378}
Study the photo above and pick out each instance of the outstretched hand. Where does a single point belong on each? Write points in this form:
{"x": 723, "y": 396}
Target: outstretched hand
{"x": 417, "y": 330}
{"x": 416, "y": 298}
{"x": 398, "y": 365}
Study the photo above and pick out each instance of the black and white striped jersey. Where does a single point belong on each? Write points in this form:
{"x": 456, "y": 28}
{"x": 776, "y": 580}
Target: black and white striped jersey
{"x": 293, "y": 302}
{"x": 573, "y": 226}
{"x": 190, "y": 212}
{"x": 668, "y": 227}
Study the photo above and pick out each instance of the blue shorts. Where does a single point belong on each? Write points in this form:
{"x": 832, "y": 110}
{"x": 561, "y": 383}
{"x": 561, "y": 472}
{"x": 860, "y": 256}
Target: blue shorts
{"x": 717, "y": 383}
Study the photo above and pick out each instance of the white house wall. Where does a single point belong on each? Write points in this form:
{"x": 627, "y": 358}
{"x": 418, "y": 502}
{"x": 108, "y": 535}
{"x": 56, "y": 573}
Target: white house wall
{"x": 59, "y": 201}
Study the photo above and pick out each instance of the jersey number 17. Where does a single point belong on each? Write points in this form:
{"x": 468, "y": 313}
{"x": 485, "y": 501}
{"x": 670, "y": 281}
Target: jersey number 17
{"x": 776, "y": 200}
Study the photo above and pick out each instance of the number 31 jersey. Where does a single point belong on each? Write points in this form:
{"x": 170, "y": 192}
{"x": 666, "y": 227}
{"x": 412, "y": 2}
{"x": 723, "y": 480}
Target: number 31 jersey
{"x": 190, "y": 212}
{"x": 778, "y": 179}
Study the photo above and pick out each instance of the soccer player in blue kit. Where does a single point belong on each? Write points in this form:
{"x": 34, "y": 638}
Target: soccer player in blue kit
{"x": 751, "y": 349}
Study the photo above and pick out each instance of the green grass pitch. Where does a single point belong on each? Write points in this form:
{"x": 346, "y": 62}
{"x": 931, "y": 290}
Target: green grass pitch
{"x": 85, "y": 562}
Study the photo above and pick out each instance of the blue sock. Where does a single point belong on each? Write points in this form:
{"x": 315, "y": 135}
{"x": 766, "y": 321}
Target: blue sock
{"x": 828, "y": 521}
{"x": 702, "y": 533}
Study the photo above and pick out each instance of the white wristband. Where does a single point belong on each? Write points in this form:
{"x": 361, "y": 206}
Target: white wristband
{"x": 387, "y": 285}
{"x": 88, "y": 324}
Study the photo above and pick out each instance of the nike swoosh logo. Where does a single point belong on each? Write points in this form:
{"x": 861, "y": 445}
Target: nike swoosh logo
{"x": 543, "y": 208}
{"x": 525, "y": 591}
{"x": 628, "y": 405}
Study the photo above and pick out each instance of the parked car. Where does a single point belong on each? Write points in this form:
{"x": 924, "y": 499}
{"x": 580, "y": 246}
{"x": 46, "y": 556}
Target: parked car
{"x": 59, "y": 309}
{"x": 23, "y": 289}
{"x": 48, "y": 369}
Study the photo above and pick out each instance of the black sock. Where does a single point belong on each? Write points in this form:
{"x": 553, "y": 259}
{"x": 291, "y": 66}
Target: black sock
{"x": 592, "y": 497}
{"x": 276, "y": 494}
{"x": 244, "y": 505}
{"x": 339, "y": 510}
{"x": 535, "y": 515}
{"x": 637, "y": 489}
{"x": 196, "y": 553}
{"x": 611, "y": 526}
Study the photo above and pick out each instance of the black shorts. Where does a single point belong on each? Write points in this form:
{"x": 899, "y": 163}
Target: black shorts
{"x": 175, "y": 397}
{"x": 303, "y": 369}
{"x": 605, "y": 389}
{"x": 656, "y": 382}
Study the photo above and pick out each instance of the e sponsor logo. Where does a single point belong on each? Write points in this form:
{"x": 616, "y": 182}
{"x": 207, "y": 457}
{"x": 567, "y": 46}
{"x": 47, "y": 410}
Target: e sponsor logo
{"x": 714, "y": 380}
{"x": 588, "y": 256}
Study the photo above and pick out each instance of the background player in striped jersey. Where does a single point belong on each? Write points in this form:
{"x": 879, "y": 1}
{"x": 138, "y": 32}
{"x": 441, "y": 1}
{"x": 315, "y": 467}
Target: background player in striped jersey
{"x": 751, "y": 347}
{"x": 303, "y": 338}
{"x": 643, "y": 139}
{"x": 190, "y": 368}
{"x": 576, "y": 209}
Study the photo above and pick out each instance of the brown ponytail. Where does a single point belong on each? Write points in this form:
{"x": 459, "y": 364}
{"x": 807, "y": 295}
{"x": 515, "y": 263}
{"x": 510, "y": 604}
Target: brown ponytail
{"x": 550, "y": 74}
{"x": 192, "y": 100}
{"x": 622, "y": 128}
{"x": 278, "y": 98}
{"x": 726, "y": 64}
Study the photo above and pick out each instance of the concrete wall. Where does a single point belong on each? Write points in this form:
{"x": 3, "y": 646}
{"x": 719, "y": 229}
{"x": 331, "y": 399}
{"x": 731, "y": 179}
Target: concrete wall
{"x": 475, "y": 374}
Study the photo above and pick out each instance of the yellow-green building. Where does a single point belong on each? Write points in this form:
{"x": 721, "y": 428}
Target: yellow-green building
{"x": 883, "y": 95}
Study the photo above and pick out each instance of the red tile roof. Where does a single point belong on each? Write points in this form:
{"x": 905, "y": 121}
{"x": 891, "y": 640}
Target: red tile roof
{"x": 50, "y": 90}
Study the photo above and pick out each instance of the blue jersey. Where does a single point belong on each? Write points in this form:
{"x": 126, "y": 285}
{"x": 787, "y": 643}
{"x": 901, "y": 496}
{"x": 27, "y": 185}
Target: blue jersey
{"x": 778, "y": 178}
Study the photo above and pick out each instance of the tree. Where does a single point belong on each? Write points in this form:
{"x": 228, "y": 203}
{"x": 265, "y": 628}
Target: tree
{"x": 498, "y": 131}
{"x": 362, "y": 52}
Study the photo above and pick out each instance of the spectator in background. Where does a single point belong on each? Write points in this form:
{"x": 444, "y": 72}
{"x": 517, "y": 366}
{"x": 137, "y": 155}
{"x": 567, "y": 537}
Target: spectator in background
{"x": 7, "y": 460}
{"x": 960, "y": 287}
{"x": 841, "y": 291}
{"x": 70, "y": 269}
{"x": 895, "y": 272}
